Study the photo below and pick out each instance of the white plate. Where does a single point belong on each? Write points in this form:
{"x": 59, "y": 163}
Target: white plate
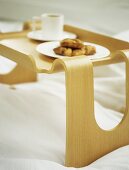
{"x": 39, "y": 35}
{"x": 47, "y": 49}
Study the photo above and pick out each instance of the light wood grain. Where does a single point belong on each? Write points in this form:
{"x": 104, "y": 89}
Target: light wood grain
{"x": 85, "y": 141}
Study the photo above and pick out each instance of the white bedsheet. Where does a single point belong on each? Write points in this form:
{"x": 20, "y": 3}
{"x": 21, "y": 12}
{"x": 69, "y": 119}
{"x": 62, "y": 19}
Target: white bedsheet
{"x": 117, "y": 160}
{"x": 32, "y": 129}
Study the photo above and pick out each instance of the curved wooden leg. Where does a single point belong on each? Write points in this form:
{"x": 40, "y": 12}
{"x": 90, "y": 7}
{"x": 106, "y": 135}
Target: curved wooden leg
{"x": 85, "y": 140}
{"x": 25, "y": 71}
{"x": 80, "y": 107}
{"x": 19, "y": 74}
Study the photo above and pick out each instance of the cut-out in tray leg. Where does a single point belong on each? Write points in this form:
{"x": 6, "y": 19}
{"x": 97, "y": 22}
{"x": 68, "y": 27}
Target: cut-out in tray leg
{"x": 85, "y": 140}
{"x": 25, "y": 71}
{"x": 19, "y": 74}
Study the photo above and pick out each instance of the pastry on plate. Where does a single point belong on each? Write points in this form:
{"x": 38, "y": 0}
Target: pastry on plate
{"x": 72, "y": 43}
{"x": 63, "y": 51}
{"x": 74, "y": 47}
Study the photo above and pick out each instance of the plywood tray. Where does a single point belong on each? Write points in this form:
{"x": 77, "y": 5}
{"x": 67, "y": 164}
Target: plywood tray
{"x": 85, "y": 141}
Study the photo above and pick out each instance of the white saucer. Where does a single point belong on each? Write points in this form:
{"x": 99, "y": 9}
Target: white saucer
{"x": 39, "y": 35}
{"x": 47, "y": 49}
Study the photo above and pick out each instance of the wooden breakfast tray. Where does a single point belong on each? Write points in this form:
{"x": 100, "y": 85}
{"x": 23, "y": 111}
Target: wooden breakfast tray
{"x": 85, "y": 141}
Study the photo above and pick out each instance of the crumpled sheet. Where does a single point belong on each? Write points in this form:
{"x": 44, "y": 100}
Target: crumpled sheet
{"x": 117, "y": 160}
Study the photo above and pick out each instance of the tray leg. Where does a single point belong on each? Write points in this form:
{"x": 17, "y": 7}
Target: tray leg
{"x": 85, "y": 140}
{"x": 25, "y": 71}
{"x": 80, "y": 109}
{"x": 19, "y": 74}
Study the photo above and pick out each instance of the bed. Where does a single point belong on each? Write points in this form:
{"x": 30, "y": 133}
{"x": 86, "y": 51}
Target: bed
{"x": 33, "y": 133}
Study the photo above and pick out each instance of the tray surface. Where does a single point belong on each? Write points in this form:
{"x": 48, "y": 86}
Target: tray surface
{"x": 19, "y": 42}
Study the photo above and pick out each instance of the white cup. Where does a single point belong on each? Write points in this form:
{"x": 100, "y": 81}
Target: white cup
{"x": 52, "y": 25}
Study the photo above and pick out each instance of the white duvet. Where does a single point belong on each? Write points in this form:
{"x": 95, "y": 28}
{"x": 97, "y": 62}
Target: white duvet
{"x": 32, "y": 121}
{"x": 117, "y": 160}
